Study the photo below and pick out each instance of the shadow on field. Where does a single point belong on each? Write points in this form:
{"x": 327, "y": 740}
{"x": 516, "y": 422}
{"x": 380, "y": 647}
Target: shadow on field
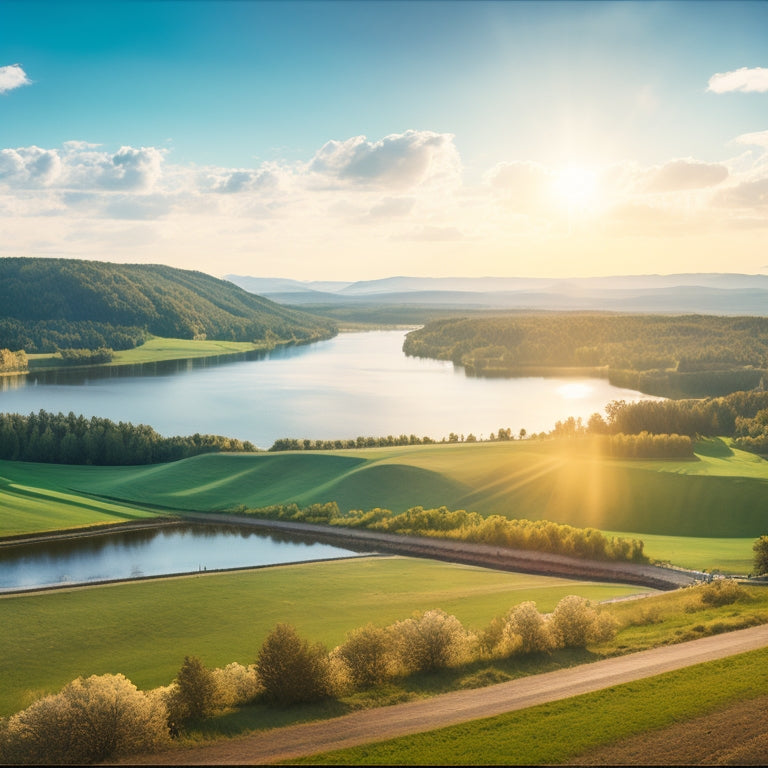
{"x": 714, "y": 447}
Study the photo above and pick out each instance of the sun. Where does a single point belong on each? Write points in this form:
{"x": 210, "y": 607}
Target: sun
{"x": 576, "y": 187}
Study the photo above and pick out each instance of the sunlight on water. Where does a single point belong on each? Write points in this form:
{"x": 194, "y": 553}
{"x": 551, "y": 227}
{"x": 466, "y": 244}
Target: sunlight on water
{"x": 575, "y": 391}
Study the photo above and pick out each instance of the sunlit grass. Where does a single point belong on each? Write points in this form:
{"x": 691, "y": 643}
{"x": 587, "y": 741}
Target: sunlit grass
{"x": 156, "y": 349}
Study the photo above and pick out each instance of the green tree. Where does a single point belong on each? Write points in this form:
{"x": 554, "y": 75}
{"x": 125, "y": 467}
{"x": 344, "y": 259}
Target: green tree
{"x": 291, "y": 670}
{"x": 575, "y": 623}
{"x": 195, "y": 693}
{"x": 760, "y": 548}
{"x": 368, "y": 655}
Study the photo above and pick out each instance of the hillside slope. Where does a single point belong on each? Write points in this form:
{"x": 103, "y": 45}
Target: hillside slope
{"x": 50, "y": 303}
{"x": 718, "y": 496}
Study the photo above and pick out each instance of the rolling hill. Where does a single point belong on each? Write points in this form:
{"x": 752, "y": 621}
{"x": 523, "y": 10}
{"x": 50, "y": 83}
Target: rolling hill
{"x": 47, "y": 304}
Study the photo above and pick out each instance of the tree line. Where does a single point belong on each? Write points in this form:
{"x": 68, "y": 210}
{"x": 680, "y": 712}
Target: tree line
{"x": 537, "y": 535}
{"x": 59, "y": 439}
{"x": 693, "y": 355}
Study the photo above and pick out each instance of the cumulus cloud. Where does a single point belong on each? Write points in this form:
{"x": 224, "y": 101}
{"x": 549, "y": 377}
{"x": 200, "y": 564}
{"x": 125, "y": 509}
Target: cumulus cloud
{"x": 748, "y": 194}
{"x": 29, "y": 166}
{"x": 678, "y": 175}
{"x": 398, "y": 160}
{"x": 746, "y": 80}
{"x": 81, "y": 166}
{"x": 131, "y": 168}
{"x": 12, "y": 77}
{"x": 758, "y": 139}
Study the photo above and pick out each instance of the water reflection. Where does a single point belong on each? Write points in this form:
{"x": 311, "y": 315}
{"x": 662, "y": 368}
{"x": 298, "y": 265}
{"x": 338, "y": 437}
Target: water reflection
{"x": 153, "y": 552}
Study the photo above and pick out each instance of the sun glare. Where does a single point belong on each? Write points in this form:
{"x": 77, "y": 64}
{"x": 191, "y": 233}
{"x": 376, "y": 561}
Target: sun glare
{"x": 576, "y": 187}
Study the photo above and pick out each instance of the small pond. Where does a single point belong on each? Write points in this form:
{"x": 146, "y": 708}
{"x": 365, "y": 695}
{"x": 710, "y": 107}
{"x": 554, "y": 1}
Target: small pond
{"x": 152, "y": 552}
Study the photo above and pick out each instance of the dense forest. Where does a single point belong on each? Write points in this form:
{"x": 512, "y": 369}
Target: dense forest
{"x": 50, "y": 304}
{"x": 59, "y": 439}
{"x": 671, "y": 356}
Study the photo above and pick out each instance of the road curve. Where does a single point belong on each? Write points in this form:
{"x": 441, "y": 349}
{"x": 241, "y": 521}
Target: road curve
{"x": 372, "y": 725}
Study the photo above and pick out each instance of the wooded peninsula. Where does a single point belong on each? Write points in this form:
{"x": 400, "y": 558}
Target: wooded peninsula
{"x": 668, "y": 356}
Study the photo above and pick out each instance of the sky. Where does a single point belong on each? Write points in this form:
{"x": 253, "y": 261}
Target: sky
{"x": 361, "y": 139}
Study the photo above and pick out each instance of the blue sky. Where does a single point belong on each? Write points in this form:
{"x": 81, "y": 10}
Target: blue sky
{"x": 353, "y": 140}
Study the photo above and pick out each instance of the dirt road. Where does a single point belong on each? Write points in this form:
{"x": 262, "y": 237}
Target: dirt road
{"x": 459, "y": 706}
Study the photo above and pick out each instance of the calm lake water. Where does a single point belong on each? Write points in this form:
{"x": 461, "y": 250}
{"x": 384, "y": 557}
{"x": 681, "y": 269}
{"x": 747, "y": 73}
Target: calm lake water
{"x": 354, "y": 384}
{"x": 152, "y": 552}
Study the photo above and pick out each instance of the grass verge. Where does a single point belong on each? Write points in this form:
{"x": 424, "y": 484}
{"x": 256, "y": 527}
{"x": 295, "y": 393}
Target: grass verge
{"x": 553, "y": 733}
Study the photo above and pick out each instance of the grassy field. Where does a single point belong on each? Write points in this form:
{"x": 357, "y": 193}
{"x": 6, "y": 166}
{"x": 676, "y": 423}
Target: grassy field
{"x": 154, "y": 350}
{"x": 144, "y": 629}
{"x": 35, "y": 508}
{"x": 554, "y": 733}
{"x": 702, "y": 513}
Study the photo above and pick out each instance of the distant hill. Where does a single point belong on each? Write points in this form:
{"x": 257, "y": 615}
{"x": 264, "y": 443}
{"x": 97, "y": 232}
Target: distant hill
{"x": 710, "y": 293}
{"x": 47, "y": 304}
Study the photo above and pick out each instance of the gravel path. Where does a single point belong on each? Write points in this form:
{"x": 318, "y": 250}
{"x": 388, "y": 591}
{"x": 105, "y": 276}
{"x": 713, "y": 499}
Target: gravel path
{"x": 459, "y": 706}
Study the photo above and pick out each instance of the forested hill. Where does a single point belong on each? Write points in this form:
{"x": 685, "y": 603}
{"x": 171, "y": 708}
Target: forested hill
{"x": 59, "y": 303}
{"x": 673, "y": 356}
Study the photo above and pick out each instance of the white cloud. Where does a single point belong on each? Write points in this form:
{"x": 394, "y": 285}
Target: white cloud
{"x": 678, "y": 175}
{"x": 29, "y": 166}
{"x": 746, "y": 80}
{"x": 12, "y": 77}
{"x": 398, "y": 160}
{"x": 758, "y": 139}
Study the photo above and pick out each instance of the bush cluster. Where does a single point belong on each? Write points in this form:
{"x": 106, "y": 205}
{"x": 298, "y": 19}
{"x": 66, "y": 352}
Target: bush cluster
{"x": 538, "y": 535}
{"x": 13, "y": 362}
{"x": 87, "y": 356}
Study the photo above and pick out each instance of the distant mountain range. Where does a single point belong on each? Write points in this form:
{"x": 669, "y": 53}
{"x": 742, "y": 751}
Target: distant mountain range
{"x": 711, "y": 293}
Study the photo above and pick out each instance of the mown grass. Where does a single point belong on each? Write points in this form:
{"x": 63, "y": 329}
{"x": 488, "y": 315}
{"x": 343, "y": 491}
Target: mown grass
{"x": 702, "y": 513}
{"x": 33, "y": 509}
{"x": 553, "y": 733}
{"x": 156, "y": 349}
{"x": 724, "y": 555}
{"x": 144, "y": 629}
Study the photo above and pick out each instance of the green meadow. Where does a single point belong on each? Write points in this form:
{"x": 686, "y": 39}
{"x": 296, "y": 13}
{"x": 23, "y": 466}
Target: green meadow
{"x": 701, "y": 513}
{"x": 156, "y": 349}
{"x": 144, "y": 629}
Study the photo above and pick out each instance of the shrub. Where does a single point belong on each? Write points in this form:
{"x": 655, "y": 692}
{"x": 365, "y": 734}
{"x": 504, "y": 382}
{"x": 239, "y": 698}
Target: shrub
{"x": 90, "y": 720}
{"x": 236, "y": 684}
{"x": 575, "y": 623}
{"x": 368, "y": 655}
{"x": 760, "y": 548}
{"x": 722, "y": 592}
{"x": 291, "y": 670}
{"x": 533, "y": 630}
{"x": 431, "y": 640}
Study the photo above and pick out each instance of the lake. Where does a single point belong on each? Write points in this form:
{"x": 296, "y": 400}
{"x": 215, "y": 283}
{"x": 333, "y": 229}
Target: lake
{"x": 354, "y": 384}
{"x": 152, "y": 552}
